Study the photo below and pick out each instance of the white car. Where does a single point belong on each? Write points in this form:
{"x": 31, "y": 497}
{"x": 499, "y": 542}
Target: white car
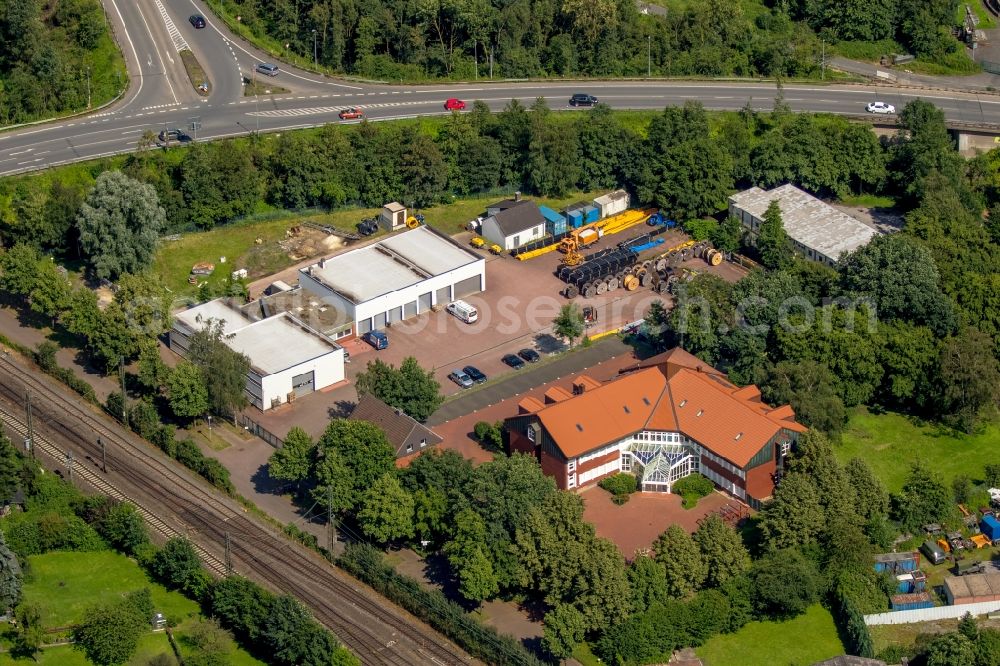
{"x": 880, "y": 107}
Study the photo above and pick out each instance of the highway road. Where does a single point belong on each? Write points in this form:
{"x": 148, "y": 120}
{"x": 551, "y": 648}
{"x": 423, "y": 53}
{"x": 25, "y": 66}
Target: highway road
{"x": 160, "y": 96}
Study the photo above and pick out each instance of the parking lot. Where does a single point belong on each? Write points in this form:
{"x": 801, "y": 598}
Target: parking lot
{"x": 516, "y": 311}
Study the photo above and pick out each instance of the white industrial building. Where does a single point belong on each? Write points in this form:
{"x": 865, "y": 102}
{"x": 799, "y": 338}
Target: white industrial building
{"x": 397, "y": 278}
{"x": 287, "y": 358}
{"x": 817, "y": 230}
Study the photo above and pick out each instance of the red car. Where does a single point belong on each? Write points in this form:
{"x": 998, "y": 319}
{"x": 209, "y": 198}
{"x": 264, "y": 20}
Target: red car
{"x": 352, "y": 113}
{"x": 454, "y": 104}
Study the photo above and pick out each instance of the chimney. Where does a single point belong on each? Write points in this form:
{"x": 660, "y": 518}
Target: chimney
{"x": 517, "y": 195}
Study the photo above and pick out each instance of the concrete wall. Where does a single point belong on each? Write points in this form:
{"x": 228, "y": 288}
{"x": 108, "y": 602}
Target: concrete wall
{"x": 928, "y": 614}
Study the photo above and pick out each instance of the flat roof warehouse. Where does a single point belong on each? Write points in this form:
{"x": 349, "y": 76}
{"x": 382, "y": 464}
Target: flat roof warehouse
{"x": 273, "y": 344}
{"x": 391, "y": 264}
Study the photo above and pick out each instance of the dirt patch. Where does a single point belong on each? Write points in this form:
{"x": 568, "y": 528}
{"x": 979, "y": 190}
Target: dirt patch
{"x": 299, "y": 244}
{"x": 886, "y": 220}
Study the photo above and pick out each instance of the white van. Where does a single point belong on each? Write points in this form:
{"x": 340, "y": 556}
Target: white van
{"x": 463, "y": 311}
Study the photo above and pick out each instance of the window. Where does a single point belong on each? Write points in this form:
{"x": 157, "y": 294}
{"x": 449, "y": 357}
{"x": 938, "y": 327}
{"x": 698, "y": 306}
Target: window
{"x": 409, "y": 448}
{"x": 517, "y": 241}
{"x": 571, "y": 464}
{"x": 530, "y": 432}
{"x": 423, "y": 443}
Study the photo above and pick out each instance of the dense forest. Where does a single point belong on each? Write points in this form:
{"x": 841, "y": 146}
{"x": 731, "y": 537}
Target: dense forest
{"x": 55, "y": 57}
{"x": 393, "y": 39}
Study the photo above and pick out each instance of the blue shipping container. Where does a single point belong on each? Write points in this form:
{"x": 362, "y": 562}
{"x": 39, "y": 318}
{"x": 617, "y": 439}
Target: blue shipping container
{"x": 990, "y": 527}
{"x": 575, "y": 218}
{"x": 591, "y": 214}
{"x": 556, "y": 227}
{"x": 549, "y": 214}
{"x": 897, "y": 563}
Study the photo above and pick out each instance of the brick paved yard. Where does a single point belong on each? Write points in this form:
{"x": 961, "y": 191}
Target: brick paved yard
{"x": 636, "y": 524}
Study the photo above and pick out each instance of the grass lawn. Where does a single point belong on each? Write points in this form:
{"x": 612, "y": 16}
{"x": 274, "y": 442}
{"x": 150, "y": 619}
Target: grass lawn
{"x": 237, "y": 242}
{"x": 809, "y": 638}
{"x": 889, "y": 442}
{"x": 150, "y": 646}
{"x": 585, "y": 656}
{"x": 65, "y": 584}
{"x": 986, "y": 20}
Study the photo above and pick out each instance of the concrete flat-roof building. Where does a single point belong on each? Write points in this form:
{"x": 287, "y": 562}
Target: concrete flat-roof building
{"x": 288, "y": 359}
{"x": 817, "y": 230}
{"x": 397, "y": 278}
{"x": 305, "y": 306}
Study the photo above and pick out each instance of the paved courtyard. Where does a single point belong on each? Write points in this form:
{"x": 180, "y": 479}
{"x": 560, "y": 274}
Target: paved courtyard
{"x": 634, "y": 526}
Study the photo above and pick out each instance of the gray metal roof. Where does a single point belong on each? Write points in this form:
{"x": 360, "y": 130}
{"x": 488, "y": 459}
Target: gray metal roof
{"x": 391, "y": 264}
{"x": 279, "y": 343}
{"x": 808, "y": 220}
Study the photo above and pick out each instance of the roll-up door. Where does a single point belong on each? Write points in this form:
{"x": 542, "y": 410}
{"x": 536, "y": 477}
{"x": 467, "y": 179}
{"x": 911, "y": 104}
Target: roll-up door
{"x": 467, "y": 286}
{"x": 394, "y": 315}
{"x": 424, "y": 302}
{"x": 304, "y": 383}
{"x": 364, "y": 326}
{"x": 444, "y": 296}
{"x": 379, "y": 322}
{"x": 410, "y": 310}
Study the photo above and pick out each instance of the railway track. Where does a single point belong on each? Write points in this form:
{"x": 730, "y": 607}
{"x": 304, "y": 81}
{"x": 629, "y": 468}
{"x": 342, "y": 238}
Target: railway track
{"x": 175, "y": 502}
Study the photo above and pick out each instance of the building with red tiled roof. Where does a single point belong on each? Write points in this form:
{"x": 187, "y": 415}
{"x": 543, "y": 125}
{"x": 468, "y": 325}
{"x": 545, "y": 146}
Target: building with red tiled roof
{"x": 663, "y": 419}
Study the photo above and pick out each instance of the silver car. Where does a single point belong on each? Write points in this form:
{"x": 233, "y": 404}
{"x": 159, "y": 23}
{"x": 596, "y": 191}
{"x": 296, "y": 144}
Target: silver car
{"x": 461, "y": 378}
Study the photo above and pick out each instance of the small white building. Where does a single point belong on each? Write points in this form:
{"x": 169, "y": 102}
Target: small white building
{"x": 612, "y": 204}
{"x": 515, "y": 225}
{"x": 392, "y": 217}
{"x": 397, "y": 278}
{"x": 817, "y": 230}
{"x": 287, "y": 358}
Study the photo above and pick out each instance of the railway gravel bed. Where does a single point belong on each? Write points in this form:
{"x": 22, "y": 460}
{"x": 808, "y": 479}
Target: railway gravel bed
{"x": 176, "y": 502}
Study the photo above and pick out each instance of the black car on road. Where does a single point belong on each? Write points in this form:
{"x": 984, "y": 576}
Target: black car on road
{"x": 197, "y": 20}
{"x": 582, "y": 99}
{"x": 513, "y": 360}
{"x": 475, "y": 374}
{"x": 529, "y": 355}
{"x": 171, "y": 135}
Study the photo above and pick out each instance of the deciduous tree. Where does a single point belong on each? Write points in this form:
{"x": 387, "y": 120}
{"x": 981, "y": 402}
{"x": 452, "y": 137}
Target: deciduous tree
{"x": 970, "y": 377}
{"x": 683, "y": 565}
{"x": 569, "y": 323}
{"x": 386, "y": 511}
{"x": 224, "y": 369}
{"x": 772, "y": 240}
{"x": 409, "y": 388}
{"x": 722, "y": 550}
{"x": 564, "y": 627}
{"x": 120, "y": 222}
{"x": 361, "y": 455}
{"x": 187, "y": 391}
{"x": 294, "y": 460}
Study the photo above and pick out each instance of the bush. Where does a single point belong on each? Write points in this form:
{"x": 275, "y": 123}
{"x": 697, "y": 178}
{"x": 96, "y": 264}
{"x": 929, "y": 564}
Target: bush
{"x": 490, "y": 435}
{"x": 692, "y": 488}
{"x": 620, "y": 485}
{"x": 35, "y": 535}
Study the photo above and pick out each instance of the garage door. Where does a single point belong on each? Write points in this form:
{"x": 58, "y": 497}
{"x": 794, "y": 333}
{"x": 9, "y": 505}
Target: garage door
{"x": 394, "y": 315}
{"x": 304, "y": 383}
{"x": 467, "y": 286}
{"x": 410, "y": 310}
{"x": 444, "y": 296}
{"x": 379, "y": 323}
{"x": 364, "y": 326}
{"x": 425, "y": 301}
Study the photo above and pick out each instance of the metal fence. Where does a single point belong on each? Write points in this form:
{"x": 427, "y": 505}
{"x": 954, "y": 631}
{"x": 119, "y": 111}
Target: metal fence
{"x": 255, "y": 428}
{"x": 927, "y": 614}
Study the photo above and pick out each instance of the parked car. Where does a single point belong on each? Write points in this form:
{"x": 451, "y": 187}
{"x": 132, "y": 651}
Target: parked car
{"x": 267, "y": 68}
{"x": 475, "y": 374}
{"x": 582, "y": 99}
{"x": 529, "y": 355}
{"x": 453, "y": 104}
{"x": 170, "y": 135}
{"x": 376, "y": 339}
{"x": 197, "y": 20}
{"x": 880, "y": 107}
{"x": 353, "y": 113}
{"x": 460, "y": 378}
{"x": 513, "y": 360}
